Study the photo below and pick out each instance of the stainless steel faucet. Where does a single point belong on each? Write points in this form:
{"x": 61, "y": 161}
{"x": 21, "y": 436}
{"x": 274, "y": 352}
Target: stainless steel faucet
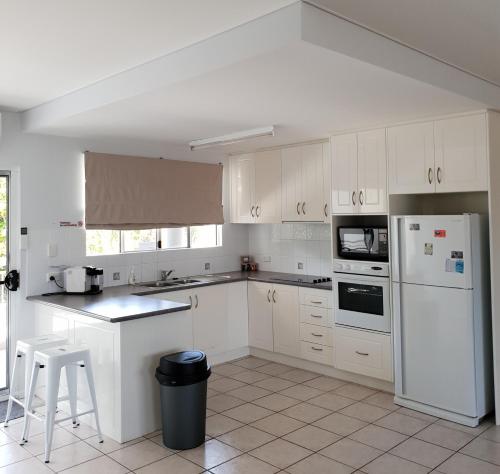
{"x": 164, "y": 274}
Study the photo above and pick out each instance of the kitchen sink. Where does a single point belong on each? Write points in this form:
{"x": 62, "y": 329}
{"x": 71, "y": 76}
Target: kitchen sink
{"x": 169, "y": 283}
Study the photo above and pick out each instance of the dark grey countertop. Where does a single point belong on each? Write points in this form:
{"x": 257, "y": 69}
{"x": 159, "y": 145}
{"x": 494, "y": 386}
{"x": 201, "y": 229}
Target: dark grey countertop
{"x": 122, "y": 303}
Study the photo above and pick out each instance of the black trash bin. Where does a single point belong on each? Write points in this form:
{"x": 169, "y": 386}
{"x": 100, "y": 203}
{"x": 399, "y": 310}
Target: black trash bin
{"x": 183, "y": 392}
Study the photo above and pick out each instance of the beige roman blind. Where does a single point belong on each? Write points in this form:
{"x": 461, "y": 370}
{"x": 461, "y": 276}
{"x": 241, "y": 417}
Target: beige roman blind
{"x": 133, "y": 192}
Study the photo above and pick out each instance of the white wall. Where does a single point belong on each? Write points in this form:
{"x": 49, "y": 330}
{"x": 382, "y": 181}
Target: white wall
{"x": 51, "y": 189}
{"x": 287, "y": 245}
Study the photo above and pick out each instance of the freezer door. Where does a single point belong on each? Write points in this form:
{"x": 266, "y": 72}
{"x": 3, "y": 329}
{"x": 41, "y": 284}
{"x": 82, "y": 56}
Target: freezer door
{"x": 435, "y": 347}
{"x": 434, "y": 250}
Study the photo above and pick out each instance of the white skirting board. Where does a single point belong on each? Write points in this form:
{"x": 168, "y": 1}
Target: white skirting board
{"x": 323, "y": 369}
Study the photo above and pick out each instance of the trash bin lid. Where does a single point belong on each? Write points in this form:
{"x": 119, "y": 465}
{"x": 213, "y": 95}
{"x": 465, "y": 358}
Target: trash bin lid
{"x": 183, "y": 368}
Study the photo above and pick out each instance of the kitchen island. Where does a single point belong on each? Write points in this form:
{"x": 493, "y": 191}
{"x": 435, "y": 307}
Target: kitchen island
{"x": 128, "y": 328}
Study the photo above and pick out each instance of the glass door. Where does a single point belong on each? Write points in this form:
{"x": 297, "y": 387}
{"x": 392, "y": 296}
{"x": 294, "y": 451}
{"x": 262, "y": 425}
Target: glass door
{"x": 4, "y": 269}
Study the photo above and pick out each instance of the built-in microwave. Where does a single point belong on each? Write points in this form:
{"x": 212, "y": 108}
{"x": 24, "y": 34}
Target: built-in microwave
{"x": 363, "y": 243}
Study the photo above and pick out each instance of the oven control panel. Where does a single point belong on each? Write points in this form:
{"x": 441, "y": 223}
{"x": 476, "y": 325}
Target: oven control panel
{"x": 360, "y": 267}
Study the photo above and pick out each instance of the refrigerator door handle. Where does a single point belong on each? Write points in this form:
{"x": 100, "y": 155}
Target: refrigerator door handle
{"x": 398, "y": 355}
{"x": 395, "y": 249}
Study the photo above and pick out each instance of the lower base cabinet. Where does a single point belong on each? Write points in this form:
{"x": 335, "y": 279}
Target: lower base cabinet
{"x": 364, "y": 352}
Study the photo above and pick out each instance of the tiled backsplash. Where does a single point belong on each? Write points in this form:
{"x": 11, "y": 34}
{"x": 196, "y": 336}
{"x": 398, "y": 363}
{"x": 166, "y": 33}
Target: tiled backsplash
{"x": 287, "y": 247}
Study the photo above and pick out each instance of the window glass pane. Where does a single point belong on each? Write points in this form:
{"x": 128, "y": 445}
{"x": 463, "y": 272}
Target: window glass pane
{"x": 139, "y": 240}
{"x": 203, "y": 236}
{"x": 103, "y": 242}
{"x": 175, "y": 238}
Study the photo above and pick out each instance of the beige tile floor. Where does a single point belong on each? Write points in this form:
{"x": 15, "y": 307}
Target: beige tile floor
{"x": 264, "y": 418}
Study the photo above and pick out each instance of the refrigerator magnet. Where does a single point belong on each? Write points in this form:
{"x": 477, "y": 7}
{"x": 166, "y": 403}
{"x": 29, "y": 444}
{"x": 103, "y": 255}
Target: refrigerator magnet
{"x": 429, "y": 249}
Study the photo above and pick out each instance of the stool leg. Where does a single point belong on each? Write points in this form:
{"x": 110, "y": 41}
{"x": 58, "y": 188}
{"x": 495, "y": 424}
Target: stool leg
{"x": 90, "y": 381}
{"x": 53, "y": 379}
{"x": 28, "y": 402}
{"x": 12, "y": 389}
{"x": 72, "y": 378}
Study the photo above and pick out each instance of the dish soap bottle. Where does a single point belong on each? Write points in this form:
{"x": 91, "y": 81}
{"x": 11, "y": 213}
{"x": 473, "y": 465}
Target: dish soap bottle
{"x": 131, "y": 277}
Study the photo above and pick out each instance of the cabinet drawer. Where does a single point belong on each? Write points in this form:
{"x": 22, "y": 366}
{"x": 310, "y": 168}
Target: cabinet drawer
{"x": 317, "y": 298}
{"x": 314, "y": 315}
{"x": 316, "y": 334}
{"x": 316, "y": 353}
{"x": 364, "y": 353}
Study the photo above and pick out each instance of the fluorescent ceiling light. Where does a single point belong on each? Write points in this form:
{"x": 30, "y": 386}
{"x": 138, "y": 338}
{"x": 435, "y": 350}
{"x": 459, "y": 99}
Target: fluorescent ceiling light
{"x": 232, "y": 138}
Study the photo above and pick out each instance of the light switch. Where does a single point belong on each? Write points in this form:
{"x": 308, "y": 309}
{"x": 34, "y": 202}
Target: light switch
{"x": 51, "y": 250}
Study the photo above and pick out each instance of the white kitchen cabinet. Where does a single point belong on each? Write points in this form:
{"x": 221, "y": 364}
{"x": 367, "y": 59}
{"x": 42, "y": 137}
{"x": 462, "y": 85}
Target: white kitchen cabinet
{"x": 256, "y": 188}
{"x": 210, "y": 318}
{"x": 364, "y": 352}
{"x": 448, "y": 155}
{"x": 268, "y": 187}
{"x": 327, "y": 183}
{"x": 243, "y": 189}
{"x": 286, "y": 320}
{"x": 344, "y": 174}
{"x": 372, "y": 172}
{"x": 460, "y": 154}
{"x": 209, "y": 315}
{"x": 411, "y": 158}
{"x": 359, "y": 173}
{"x": 237, "y": 315}
{"x": 303, "y": 197}
{"x": 260, "y": 315}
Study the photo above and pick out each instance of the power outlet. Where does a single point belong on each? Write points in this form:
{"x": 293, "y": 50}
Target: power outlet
{"x": 300, "y": 266}
{"x": 59, "y": 276}
{"x": 116, "y": 276}
{"x": 207, "y": 266}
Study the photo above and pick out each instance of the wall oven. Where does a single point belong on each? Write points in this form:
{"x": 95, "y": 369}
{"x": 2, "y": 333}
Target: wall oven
{"x": 361, "y": 300}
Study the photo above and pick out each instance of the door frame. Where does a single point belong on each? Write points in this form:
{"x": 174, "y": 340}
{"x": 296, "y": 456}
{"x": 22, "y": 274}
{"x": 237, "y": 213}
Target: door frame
{"x": 14, "y": 261}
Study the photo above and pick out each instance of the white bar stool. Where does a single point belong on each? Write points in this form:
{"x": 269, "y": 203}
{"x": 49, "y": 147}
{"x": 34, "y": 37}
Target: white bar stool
{"x": 71, "y": 357}
{"x": 26, "y": 348}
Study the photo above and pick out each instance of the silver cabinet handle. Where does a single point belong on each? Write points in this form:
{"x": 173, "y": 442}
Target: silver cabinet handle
{"x": 196, "y": 298}
{"x": 274, "y": 294}
{"x": 362, "y": 353}
{"x": 316, "y": 316}
{"x": 269, "y": 295}
{"x": 251, "y": 211}
{"x": 325, "y": 210}
{"x": 430, "y": 175}
{"x": 438, "y": 175}
{"x": 298, "y": 210}
{"x": 316, "y": 335}
{"x": 354, "y": 198}
{"x": 317, "y": 302}
{"x": 361, "y": 199}
{"x": 257, "y": 214}
{"x": 316, "y": 349}
{"x": 303, "y": 208}
{"x": 190, "y": 300}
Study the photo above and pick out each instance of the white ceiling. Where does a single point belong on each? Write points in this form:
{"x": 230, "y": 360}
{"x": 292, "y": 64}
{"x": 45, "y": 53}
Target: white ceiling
{"x": 465, "y": 33}
{"x": 52, "y": 47}
{"x": 305, "y": 91}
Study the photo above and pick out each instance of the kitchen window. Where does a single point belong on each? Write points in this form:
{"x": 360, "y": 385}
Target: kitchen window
{"x": 110, "y": 242}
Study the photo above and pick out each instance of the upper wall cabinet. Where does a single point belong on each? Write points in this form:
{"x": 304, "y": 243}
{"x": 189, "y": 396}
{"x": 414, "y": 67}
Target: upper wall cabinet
{"x": 359, "y": 176}
{"x": 256, "y": 188}
{"x": 448, "y": 155}
{"x": 303, "y": 183}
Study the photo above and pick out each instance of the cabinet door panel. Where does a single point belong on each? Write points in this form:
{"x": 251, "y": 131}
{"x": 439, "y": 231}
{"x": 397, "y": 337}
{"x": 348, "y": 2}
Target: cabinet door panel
{"x": 461, "y": 162}
{"x": 210, "y": 319}
{"x": 372, "y": 172}
{"x": 237, "y": 312}
{"x": 411, "y": 158}
{"x": 327, "y": 183}
{"x": 260, "y": 315}
{"x": 312, "y": 207}
{"x": 268, "y": 187}
{"x": 286, "y": 320}
{"x": 291, "y": 184}
{"x": 344, "y": 174}
{"x": 243, "y": 189}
